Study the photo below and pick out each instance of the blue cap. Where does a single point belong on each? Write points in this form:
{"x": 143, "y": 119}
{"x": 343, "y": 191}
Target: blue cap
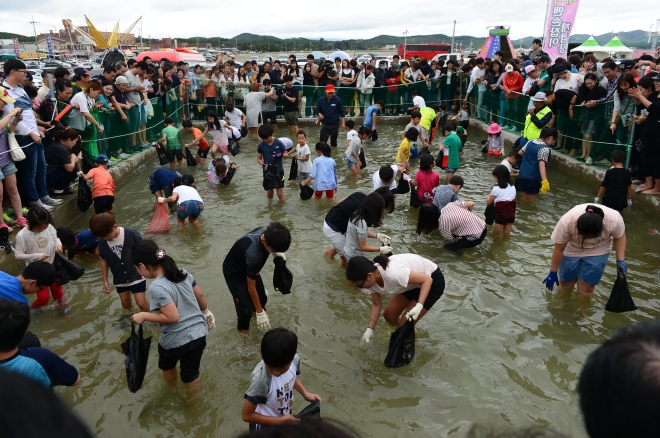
{"x": 101, "y": 158}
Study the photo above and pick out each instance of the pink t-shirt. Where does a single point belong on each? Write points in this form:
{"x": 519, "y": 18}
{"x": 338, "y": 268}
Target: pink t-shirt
{"x": 566, "y": 232}
{"x": 428, "y": 180}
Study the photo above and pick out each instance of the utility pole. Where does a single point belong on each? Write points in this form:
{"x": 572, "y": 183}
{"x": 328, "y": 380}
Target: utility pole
{"x": 36, "y": 44}
{"x": 453, "y": 33}
{"x": 405, "y": 43}
{"x": 141, "y": 45}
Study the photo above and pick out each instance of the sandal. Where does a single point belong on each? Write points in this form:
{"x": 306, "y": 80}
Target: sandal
{"x": 21, "y": 222}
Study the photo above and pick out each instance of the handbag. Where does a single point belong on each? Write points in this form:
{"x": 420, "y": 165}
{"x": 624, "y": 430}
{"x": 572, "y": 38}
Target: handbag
{"x": 15, "y": 150}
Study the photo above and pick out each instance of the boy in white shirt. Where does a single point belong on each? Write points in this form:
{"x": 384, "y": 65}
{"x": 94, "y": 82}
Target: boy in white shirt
{"x": 302, "y": 156}
{"x": 510, "y": 161}
{"x": 269, "y": 399}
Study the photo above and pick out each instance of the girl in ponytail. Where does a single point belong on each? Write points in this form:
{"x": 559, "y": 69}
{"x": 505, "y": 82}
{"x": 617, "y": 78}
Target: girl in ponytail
{"x": 183, "y": 314}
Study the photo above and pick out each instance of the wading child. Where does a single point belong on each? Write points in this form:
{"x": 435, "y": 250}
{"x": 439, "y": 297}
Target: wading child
{"x": 415, "y": 123}
{"x": 173, "y": 138}
{"x": 302, "y": 155}
{"x": 115, "y": 246}
{"x": 78, "y": 243}
{"x": 426, "y": 179}
{"x": 503, "y": 196}
{"x": 352, "y": 153}
{"x": 455, "y": 146}
{"x": 270, "y": 152}
{"x": 495, "y": 143}
{"x": 103, "y": 188}
{"x": 386, "y": 177}
{"x": 324, "y": 171}
{"x": 189, "y": 203}
{"x": 368, "y": 214}
{"x": 179, "y": 306}
{"x": 351, "y": 133}
{"x": 616, "y": 184}
{"x": 218, "y": 169}
{"x": 198, "y": 139}
{"x": 269, "y": 399}
{"x": 218, "y": 130}
{"x": 38, "y": 364}
{"x": 39, "y": 241}
{"x": 403, "y": 154}
{"x": 443, "y": 195}
{"x": 510, "y": 161}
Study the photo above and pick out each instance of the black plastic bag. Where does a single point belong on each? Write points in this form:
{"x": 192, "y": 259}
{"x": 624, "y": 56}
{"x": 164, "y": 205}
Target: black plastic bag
{"x": 282, "y": 277}
{"x": 490, "y": 214}
{"x": 620, "y": 299}
{"x": 402, "y": 346}
{"x": 363, "y": 161}
{"x": 190, "y": 160}
{"x": 403, "y": 187}
{"x": 4, "y": 240}
{"x": 230, "y": 174}
{"x": 136, "y": 356}
{"x": 306, "y": 192}
{"x": 65, "y": 270}
{"x": 84, "y": 196}
{"x": 293, "y": 173}
{"x": 86, "y": 164}
{"x": 311, "y": 411}
{"x": 244, "y": 131}
{"x": 234, "y": 147}
{"x": 163, "y": 155}
{"x": 414, "y": 199}
{"x": 272, "y": 178}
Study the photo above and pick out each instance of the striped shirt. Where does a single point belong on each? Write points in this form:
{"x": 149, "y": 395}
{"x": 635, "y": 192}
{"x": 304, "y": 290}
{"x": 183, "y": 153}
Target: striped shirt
{"x": 457, "y": 221}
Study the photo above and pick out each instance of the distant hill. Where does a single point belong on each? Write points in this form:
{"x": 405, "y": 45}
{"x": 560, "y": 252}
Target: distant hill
{"x": 21, "y": 38}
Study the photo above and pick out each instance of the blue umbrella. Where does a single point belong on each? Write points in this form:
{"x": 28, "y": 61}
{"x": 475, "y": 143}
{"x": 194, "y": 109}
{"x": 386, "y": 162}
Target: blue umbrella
{"x": 339, "y": 54}
{"x": 318, "y": 55}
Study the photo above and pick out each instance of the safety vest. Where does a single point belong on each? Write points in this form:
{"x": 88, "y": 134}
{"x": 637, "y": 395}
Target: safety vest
{"x": 532, "y": 132}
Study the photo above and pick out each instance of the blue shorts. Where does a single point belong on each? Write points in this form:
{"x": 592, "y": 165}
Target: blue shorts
{"x": 450, "y": 170}
{"x": 588, "y": 269}
{"x": 7, "y": 169}
{"x": 528, "y": 185}
{"x": 136, "y": 288}
{"x": 189, "y": 208}
{"x": 349, "y": 162}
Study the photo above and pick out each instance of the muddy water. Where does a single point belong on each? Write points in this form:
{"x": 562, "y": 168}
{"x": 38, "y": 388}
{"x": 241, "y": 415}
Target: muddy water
{"x": 497, "y": 348}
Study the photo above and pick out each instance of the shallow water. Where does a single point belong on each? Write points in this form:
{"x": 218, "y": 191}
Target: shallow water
{"x": 497, "y": 348}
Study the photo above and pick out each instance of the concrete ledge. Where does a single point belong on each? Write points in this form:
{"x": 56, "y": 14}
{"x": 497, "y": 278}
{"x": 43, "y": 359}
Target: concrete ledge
{"x": 590, "y": 175}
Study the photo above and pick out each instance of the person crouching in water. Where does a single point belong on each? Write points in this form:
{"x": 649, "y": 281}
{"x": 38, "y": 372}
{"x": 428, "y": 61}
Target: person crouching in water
{"x": 189, "y": 203}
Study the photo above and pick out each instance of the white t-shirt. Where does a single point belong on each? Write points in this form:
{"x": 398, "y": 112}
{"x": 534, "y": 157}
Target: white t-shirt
{"x": 528, "y": 84}
{"x": 234, "y": 117}
{"x": 187, "y": 193}
{"x": 353, "y": 148}
{"x": 81, "y": 100}
{"x": 302, "y": 152}
{"x": 287, "y": 142}
{"x": 378, "y": 183}
{"x": 235, "y": 132}
{"x": 350, "y": 135}
{"x": 508, "y": 165}
{"x": 419, "y": 100}
{"x": 570, "y": 84}
{"x": 220, "y": 136}
{"x": 395, "y": 277}
{"x": 508, "y": 194}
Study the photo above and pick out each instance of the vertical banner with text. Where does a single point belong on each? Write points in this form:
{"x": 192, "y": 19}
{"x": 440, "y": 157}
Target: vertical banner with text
{"x": 17, "y": 51}
{"x": 561, "y": 17}
{"x": 49, "y": 44}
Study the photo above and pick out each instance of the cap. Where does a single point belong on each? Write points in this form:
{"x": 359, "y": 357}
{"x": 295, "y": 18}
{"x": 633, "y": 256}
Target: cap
{"x": 494, "y": 128}
{"x": 508, "y": 68}
{"x": 101, "y": 158}
{"x": 656, "y": 77}
{"x": 559, "y": 69}
{"x": 539, "y": 97}
{"x": 80, "y": 71}
{"x": 187, "y": 179}
{"x": 529, "y": 69}
{"x": 329, "y": 88}
{"x": 4, "y": 95}
{"x": 121, "y": 80}
{"x": 627, "y": 63}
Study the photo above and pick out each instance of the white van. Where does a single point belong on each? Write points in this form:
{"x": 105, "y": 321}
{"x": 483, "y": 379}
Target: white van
{"x": 447, "y": 56}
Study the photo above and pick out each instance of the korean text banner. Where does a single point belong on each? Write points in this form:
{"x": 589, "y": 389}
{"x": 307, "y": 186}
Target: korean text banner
{"x": 561, "y": 17}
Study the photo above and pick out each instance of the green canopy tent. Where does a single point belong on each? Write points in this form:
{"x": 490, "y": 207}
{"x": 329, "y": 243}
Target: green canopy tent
{"x": 590, "y": 45}
{"x": 616, "y": 46}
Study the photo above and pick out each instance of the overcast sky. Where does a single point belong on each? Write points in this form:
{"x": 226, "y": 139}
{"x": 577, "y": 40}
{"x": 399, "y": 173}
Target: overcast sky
{"x": 167, "y": 17}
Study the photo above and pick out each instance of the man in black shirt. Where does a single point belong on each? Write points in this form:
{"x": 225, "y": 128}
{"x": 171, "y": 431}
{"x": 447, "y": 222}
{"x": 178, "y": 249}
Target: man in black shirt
{"x": 290, "y": 104}
{"x": 330, "y": 110}
{"x": 241, "y": 270}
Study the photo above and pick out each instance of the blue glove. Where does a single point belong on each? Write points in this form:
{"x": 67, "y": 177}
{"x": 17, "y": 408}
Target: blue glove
{"x": 551, "y": 280}
{"x": 621, "y": 268}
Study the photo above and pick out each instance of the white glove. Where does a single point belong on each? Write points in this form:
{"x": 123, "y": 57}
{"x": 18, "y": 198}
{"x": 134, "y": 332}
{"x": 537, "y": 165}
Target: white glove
{"x": 406, "y": 177}
{"x": 161, "y": 200}
{"x": 80, "y": 173}
{"x": 597, "y": 200}
{"x": 210, "y": 319}
{"x": 415, "y": 311}
{"x": 385, "y": 249}
{"x": 629, "y": 202}
{"x": 367, "y": 335}
{"x": 383, "y": 238}
{"x": 263, "y": 323}
{"x": 280, "y": 254}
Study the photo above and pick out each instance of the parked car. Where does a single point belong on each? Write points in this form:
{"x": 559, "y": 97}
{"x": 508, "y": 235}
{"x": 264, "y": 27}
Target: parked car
{"x": 447, "y": 56}
{"x": 253, "y": 58}
{"x": 364, "y": 58}
{"x": 268, "y": 58}
{"x": 37, "y": 80}
{"x": 283, "y": 58}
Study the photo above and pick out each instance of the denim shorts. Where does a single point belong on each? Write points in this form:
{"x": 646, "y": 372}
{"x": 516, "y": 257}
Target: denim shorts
{"x": 7, "y": 169}
{"x": 189, "y": 208}
{"x": 588, "y": 269}
{"x": 349, "y": 162}
{"x": 450, "y": 170}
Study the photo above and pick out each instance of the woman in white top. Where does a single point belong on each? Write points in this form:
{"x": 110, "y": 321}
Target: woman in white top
{"x": 189, "y": 203}
{"x": 82, "y": 119}
{"x": 365, "y": 84}
{"x": 503, "y": 196}
{"x": 414, "y": 283}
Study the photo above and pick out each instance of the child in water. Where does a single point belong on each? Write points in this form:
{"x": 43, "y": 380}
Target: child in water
{"x": 403, "y": 154}
{"x": 616, "y": 186}
{"x": 39, "y": 241}
{"x": 302, "y": 155}
{"x": 189, "y": 203}
{"x": 198, "y": 139}
{"x": 179, "y": 306}
{"x": 173, "y": 137}
{"x": 103, "y": 189}
{"x": 426, "y": 179}
{"x": 495, "y": 142}
{"x": 219, "y": 168}
{"x": 503, "y": 196}
{"x": 269, "y": 399}
{"x": 368, "y": 214}
{"x": 352, "y": 153}
{"x": 78, "y": 243}
{"x": 324, "y": 171}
